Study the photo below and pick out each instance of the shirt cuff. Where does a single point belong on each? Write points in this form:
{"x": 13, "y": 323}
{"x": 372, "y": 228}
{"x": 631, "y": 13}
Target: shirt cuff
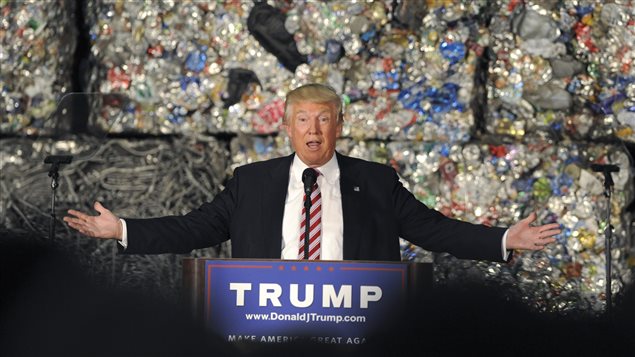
{"x": 504, "y": 250}
{"x": 124, "y": 234}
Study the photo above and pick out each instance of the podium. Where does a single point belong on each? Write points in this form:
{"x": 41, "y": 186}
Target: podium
{"x": 277, "y": 301}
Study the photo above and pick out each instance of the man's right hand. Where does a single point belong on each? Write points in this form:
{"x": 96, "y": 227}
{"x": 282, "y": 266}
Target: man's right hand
{"x": 106, "y": 225}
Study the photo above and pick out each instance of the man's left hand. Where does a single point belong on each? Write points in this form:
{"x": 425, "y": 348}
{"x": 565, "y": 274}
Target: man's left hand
{"x": 524, "y": 236}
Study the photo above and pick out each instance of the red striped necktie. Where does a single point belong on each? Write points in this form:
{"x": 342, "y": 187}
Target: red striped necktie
{"x": 315, "y": 231}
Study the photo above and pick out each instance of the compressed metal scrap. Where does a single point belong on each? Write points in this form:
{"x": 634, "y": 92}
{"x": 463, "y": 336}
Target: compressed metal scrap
{"x": 498, "y": 185}
{"x": 38, "y": 43}
{"x": 564, "y": 70}
{"x": 173, "y": 60}
{"x": 138, "y": 179}
{"x": 405, "y": 71}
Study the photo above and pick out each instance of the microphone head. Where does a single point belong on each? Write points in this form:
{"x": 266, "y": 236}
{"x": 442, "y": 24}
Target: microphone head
{"x": 604, "y": 168}
{"x": 58, "y": 159}
{"x": 309, "y": 176}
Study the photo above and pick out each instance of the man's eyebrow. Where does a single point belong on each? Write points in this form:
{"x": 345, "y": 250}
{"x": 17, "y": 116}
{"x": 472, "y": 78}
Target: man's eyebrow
{"x": 319, "y": 113}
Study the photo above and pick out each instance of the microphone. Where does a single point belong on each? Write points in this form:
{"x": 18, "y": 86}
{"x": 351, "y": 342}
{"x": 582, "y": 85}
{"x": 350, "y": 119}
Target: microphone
{"x": 58, "y": 159}
{"x": 608, "y": 188}
{"x": 309, "y": 177}
{"x": 608, "y": 179}
{"x": 605, "y": 168}
{"x": 55, "y": 161}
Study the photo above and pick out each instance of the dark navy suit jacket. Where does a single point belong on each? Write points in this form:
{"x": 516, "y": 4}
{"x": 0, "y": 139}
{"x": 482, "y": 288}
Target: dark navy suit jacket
{"x": 377, "y": 210}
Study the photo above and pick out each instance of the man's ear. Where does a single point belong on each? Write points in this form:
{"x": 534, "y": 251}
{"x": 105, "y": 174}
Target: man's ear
{"x": 287, "y": 128}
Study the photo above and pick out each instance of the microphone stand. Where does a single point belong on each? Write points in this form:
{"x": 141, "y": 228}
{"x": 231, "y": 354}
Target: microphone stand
{"x": 307, "y": 226}
{"x": 55, "y": 161}
{"x": 608, "y": 231}
{"x": 309, "y": 178}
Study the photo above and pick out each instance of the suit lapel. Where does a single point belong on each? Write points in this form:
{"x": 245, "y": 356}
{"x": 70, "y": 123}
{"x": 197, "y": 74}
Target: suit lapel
{"x": 351, "y": 191}
{"x": 272, "y": 206}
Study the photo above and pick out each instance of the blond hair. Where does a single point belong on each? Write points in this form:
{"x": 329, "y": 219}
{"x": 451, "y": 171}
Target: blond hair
{"x": 314, "y": 93}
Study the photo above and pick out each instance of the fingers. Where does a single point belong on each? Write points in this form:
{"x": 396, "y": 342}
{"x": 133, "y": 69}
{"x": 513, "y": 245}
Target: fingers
{"x": 550, "y": 233}
{"x": 539, "y": 239}
{"x": 80, "y": 222}
{"x": 547, "y": 227}
{"x": 549, "y": 240}
{"x": 531, "y": 218}
{"x": 543, "y": 243}
{"x": 77, "y": 225}
{"x": 77, "y": 221}
{"x": 548, "y": 230}
{"x": 73, "y": 220}
{"x": 78, "y": 214}
{"x": 99, "y": 208}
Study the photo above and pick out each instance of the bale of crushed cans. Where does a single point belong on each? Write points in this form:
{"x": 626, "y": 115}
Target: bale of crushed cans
{"x": 37, "y": 41}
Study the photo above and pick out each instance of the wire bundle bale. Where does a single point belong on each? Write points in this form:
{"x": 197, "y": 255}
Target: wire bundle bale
{"x": 134, "y": 178}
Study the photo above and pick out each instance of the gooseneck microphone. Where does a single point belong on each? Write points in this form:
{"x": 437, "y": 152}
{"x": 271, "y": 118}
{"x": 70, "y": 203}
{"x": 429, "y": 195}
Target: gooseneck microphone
{"x": 604, "y": 168}
{"x": 55, "y": 161}
{"x": 309, "y": 177}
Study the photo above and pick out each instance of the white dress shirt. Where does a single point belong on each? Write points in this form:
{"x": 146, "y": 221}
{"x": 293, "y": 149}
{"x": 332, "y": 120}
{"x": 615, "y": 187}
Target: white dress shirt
{"x": 332, "y": 219}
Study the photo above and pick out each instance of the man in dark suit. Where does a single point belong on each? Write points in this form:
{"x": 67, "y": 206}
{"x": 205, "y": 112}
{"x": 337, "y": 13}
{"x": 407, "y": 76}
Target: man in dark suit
{"x": 359, "y": 209}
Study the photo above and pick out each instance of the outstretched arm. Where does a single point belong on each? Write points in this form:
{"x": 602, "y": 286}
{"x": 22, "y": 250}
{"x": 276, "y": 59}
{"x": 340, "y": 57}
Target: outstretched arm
{"x": 524, "y": 236}
{"x": 106, "y": 225}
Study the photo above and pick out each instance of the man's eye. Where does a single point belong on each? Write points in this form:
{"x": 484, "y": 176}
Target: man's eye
{"x": 324, "y": 119}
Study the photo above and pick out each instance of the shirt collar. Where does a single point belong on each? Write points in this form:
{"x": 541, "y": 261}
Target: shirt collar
{"x": 330, "y": 171}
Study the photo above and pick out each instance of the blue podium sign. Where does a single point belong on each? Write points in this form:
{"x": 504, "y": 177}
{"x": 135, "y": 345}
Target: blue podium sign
{"x": 281, "y": 301}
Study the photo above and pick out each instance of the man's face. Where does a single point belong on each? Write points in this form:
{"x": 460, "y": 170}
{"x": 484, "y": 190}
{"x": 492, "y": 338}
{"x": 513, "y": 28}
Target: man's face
{"x": 313, "y": 129}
